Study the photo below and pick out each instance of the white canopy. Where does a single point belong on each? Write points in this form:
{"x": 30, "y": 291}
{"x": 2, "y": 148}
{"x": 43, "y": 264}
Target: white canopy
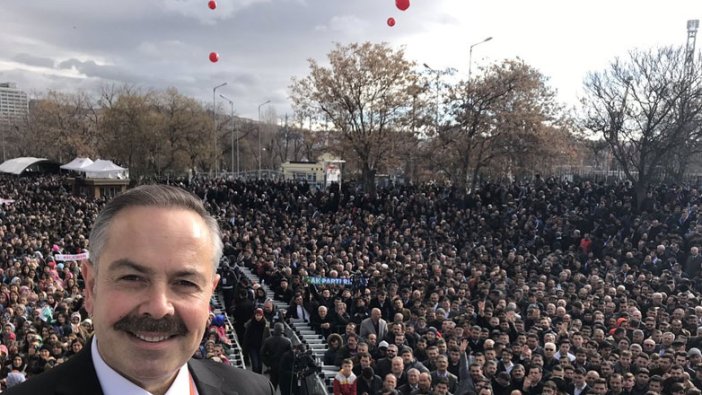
{"x": 18, "y": 165}
{"x": 77, "y": 164}
{"x": 105, "y": 169}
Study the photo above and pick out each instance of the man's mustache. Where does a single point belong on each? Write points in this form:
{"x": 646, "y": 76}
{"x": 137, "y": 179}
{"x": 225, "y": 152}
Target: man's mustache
{"x": 171, "y": 325}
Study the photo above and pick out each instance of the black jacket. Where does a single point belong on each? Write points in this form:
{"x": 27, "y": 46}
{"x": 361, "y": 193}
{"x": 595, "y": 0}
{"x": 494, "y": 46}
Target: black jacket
{"x": 273, "y": 348}
{"x": 78, "y": 377}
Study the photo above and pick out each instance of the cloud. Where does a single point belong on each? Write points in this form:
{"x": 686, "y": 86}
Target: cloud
{"x": 91, "y": 69}
{"x": 32, "y": 60}
{"x": 346, "y": 24}
{"x": 199, "y": 10}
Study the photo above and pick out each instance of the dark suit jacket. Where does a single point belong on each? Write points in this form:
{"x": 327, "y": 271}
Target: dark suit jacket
{"x": 77, "y": 376}
{"x": 586, "y": 390}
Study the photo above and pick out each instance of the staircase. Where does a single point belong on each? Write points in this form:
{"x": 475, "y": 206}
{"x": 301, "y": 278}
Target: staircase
{"x": 300, "y": 331}
{"x": 235, "y": 356}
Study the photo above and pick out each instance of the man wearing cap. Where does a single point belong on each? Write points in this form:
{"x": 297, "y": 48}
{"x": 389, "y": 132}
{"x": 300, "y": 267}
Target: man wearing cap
{"x": 380, "y": 351}
{"x": 148, "y": 286}
{"x": 384, "y": 365}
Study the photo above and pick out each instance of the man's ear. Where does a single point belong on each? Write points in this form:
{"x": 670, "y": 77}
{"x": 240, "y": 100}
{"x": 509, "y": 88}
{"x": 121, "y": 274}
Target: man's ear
{"x": 215, "y": 282}
{"x": 89, "y": 277}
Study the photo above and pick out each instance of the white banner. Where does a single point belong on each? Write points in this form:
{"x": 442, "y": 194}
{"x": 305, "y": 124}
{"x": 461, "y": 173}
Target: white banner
{"x": 72, "y": 257}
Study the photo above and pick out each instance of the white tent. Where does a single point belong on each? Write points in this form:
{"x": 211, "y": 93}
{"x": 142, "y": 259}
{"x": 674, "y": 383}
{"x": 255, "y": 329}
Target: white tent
{"x": 18, "y": 165}
{"x": 77, "y": 164}
{"x": 105, "y": 169}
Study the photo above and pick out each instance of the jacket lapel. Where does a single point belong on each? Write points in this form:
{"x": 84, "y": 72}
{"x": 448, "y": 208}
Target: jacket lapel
{"x": 79, "y": 376}
{"x": 205, "y": 381}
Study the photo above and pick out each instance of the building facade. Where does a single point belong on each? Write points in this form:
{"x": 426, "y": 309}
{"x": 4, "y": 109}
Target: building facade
{"x": 14, "y": 103}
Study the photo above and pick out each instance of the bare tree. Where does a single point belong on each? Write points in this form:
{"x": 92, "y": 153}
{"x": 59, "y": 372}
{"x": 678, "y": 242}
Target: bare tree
{"x": 508, "y": 113}
{"x": 131, "y": 133}
{"x": 184, "y": 131}
{"x": 646, "y": 107}
{"x": 364, "y": 94}
{"x": 62, "y": 126}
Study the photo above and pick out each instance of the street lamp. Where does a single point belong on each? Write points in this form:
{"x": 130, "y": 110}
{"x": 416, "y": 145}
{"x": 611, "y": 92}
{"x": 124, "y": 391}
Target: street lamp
{"x": 438, "y": 74}
{"x": 470, "y": 55}
{"x": 214, "y": 122}
{"x": 259, "y": 135}
{"x": 231, "y": 103}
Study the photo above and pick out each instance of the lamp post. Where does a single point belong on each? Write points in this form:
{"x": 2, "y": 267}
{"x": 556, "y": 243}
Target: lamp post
{"x": 259, "y": 135}
{"x": 470, "y": 56}
{"x": 436, "y": 114}
{"x": 214, "y": 122}
{"x": 231, "y": 103}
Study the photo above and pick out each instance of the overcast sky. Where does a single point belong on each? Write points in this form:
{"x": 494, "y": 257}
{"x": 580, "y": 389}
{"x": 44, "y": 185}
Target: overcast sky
{"x": 71, "y": 45}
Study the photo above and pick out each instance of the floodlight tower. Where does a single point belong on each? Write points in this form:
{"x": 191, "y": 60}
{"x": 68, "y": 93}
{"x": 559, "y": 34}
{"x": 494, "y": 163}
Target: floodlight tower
{"x": 692, "y": 26}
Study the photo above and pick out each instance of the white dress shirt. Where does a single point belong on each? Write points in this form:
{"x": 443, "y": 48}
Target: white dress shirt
{"x": 113, "y": 383}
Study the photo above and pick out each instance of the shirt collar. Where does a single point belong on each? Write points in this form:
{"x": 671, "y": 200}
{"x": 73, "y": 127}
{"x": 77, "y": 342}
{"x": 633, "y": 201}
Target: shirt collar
{"x": 113, "y": 383}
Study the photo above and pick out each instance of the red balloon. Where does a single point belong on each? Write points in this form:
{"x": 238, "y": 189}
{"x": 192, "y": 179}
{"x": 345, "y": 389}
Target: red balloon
{"x": 391, "y": 21}
{"x": 214, "y": 57}
{"x": 403, "y": 5}
{"x": 212, "y": 4}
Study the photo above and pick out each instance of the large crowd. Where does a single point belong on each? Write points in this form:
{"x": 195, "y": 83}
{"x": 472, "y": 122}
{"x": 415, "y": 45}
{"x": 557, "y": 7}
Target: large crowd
{"x": 532, "y": 287}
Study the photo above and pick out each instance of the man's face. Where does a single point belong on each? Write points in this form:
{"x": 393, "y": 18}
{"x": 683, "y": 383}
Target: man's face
{"x": 390, "y": 382}
{"x": 677, "y": 372}
{"x": 424, "y": 381}
{"x": 442, "y": 388}
{"x": 549, "y": 350}
{"x": 442, "y": 363}
{"x": 535, "y": 375}
{"x": 149, "y": 296}
{"x": 432, "y": 353}
{"x": 475, "y": 372}
{"x": 454, "y": 356}
{"x": 397, "y": 366}
{"x": 579, "y": 379}
{"x": 413, "y": 377}
{"x": 616, "y": 384}
{"x": 654, "y": 386}
{"x": 407, "y": 357}
{"x": 600, "y": 389}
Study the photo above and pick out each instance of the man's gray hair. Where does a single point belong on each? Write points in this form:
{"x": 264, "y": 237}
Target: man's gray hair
{"x": 163, "y": 196}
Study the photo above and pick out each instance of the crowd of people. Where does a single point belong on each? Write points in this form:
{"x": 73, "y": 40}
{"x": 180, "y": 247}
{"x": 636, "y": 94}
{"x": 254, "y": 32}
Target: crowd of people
{"x": 533, "y": 287}
{"x": 548, "y": 286}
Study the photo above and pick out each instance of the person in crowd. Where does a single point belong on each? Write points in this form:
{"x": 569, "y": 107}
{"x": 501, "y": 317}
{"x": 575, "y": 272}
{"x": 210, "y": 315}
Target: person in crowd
{"x": 257, "y": 330}
{"x": 345, "y": 382}
{"x": 389, "y": 385}
{"x": 374, "y": 324}
{"x": 272, "y": 349}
